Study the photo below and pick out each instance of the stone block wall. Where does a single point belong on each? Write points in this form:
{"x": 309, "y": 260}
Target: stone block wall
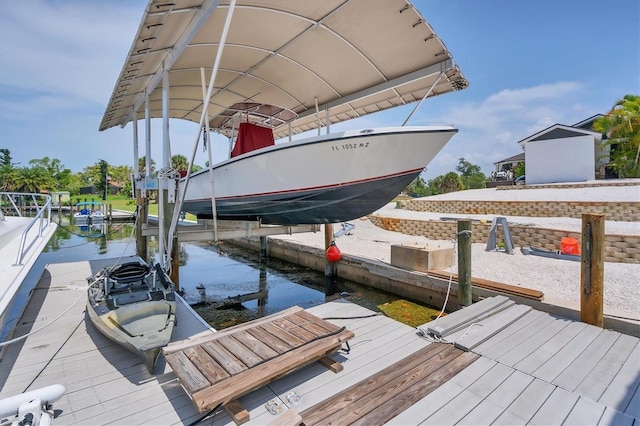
{"x": 625, "y": 211}
{"x": 618, "y": 248}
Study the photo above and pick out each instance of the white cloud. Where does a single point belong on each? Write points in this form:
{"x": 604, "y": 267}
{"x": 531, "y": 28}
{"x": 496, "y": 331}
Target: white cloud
{"x": 490, "y": 128}
{"x": 66, "y": 48}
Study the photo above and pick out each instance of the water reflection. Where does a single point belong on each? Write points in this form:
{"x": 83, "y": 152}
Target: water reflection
{"x": 227, "y": 284}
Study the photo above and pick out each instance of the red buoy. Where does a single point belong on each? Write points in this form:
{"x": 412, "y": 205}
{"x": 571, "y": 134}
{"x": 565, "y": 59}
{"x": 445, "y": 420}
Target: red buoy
{"x": 333, "y": 253}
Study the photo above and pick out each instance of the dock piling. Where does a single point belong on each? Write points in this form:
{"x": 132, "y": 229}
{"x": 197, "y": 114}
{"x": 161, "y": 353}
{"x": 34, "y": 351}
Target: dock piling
{"x": 330, "y": 268}
{"x": 464, "y": 262}
{"x": 592, "y": 270}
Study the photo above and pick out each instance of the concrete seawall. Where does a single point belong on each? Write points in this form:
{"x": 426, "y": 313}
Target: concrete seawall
{"x": 417, "y": 286}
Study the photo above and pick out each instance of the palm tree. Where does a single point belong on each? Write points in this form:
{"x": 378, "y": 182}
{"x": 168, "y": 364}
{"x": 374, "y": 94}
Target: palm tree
{"x": 142, "y": 165}
{"x": 7, "y": 177}
{"x": 179, "y": 162}
{"x": 33, "y": 179}
{"x": 622, "y": 126}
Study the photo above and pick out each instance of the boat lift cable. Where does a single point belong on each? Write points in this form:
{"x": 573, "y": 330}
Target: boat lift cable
{"x": 203, "y": 119}
{"x": 206, "y": 138}
{"x": 424, "y": 97}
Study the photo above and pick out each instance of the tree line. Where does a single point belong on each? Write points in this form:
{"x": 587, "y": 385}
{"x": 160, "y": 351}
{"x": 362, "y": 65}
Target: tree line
{"x": 50, "y": 175}
{"x": 621, "y": 125}
{"x": 470, "y": 177}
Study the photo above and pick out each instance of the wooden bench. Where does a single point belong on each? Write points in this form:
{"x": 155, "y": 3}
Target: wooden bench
{"x": 218, "y": 368}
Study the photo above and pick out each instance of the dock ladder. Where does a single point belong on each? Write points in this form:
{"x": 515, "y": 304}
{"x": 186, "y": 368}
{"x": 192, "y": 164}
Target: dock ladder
{"x": 508, "y": 242}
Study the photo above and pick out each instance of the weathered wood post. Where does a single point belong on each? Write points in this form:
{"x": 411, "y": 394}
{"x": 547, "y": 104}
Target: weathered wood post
{"x": 592, "y": 270}
{"x": 464, "y": 262}
{"x": 167, "y": 209}
{"x": 142, "y": 206}
{"x": 263, "y": 249}
{"x": 330, "y": 268}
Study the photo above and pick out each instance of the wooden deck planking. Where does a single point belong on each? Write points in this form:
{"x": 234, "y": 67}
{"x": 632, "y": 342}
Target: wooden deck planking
{"x": 372, "y": 353}
{"x": 615, "y": 417}
{"x": 547, "y": 350}
{"x": 514, "y": 334}
{"x": 449, "y": 324}
{"x": 527, "y": 404}
{"x": 433, "y": 402}
{"x": 383, "y": 395}
{"x": 471, "y": 398}
{"x": 72, "y": 352}
{"x": 556, "y": 408}
{"x": 575, "y": 373}
{"x": 495, "y": 404}
{"x": 567, "y": 355}
{"x": 633, "y": 408}
{"x": 475, "y": 336}
{"x": 363, "y": 396}
{"x": 584, "y": 412}
{"x": 108, "y": 385}
{"x": 402, "y": 401}
{"x": 622, "y": 393}
{"x": 601, "y": 375}
{"x": 315, "y": 383}
{"x": 532, "y": 342}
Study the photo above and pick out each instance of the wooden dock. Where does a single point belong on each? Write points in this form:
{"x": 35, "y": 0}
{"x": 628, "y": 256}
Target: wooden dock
{"x": 520, "y": 366}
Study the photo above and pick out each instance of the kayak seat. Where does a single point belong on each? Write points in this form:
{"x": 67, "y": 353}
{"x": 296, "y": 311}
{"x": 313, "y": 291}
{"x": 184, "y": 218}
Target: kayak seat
{"x": 156, "y": 295}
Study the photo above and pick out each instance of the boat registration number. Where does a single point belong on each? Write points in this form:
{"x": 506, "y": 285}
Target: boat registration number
{"x": 346, "y": 146}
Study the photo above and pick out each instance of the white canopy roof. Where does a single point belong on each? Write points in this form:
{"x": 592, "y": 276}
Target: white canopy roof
{"x": 352, "y": 57}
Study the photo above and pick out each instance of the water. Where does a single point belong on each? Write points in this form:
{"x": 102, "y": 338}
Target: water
{"x": 227, "y": 285}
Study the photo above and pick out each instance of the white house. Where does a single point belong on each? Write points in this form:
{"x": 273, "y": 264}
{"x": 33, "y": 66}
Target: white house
{"x": 563, "y": 154}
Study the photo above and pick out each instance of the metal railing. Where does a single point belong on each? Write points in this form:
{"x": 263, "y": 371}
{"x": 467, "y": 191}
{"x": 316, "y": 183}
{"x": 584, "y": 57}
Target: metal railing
{"x": 15, "y": 203}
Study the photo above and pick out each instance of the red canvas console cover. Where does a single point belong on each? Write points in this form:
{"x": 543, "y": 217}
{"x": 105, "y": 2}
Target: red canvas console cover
{"x": 252, "y": 137}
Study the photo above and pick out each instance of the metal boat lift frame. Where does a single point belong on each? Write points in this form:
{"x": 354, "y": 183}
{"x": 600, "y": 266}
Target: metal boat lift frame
{"x": 167, "y": 235}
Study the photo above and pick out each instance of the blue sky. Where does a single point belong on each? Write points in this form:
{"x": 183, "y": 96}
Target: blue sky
{"x": 530, "y": 64}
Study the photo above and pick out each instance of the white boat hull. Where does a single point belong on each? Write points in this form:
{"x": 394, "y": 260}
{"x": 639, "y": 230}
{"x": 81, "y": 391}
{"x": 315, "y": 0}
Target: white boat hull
{"x": 327, "y": 179}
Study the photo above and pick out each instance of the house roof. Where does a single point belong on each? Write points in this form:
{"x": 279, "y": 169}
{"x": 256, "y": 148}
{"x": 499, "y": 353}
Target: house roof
{"x": 558, "y": 131}
{"x": 515, "y": 158}
{"x": 587, "y": 124}
{"x": 348, "y": 57}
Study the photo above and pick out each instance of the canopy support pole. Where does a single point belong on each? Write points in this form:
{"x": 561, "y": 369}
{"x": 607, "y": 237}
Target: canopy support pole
{"x": 214, "y": 72}
{"x": 136, "y": 168}
{"x": 318, "y": 116}
{"x": 328, "y": 118}
{"x": 141, "y": 206}
{"x": 424, "y": 97}
{"x": 147, "y": 124}
{"x": 162, "y": 231}
{"x": 209, "y": 149}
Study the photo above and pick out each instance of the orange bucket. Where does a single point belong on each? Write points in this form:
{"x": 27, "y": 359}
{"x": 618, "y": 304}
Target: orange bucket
{"x": 570, "y": 246}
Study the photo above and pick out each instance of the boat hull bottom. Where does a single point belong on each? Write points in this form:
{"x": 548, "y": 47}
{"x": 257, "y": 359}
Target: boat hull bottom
{"x": 317, "y": 206}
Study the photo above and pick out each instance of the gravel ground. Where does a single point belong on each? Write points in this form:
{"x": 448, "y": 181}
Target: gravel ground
{"x": 558, "y": 279}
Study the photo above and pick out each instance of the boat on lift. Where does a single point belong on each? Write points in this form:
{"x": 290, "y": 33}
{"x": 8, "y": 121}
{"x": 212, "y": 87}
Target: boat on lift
{"x": 323, "y": 179}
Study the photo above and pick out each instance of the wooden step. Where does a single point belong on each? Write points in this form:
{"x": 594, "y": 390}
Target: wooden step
{"x": 514, "y": 290}
{"x": 381, "y": 397}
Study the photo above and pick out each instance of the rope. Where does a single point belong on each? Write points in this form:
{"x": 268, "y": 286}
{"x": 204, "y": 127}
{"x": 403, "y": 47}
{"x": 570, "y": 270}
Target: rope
{"x": 17, "y": 339}
{"x": 467, "y": 234}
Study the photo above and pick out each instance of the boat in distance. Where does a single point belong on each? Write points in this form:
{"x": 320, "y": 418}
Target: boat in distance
{"x": 324, "y": 179}
{"x": 88, "y": 211}
{"x": 134, "y": 305}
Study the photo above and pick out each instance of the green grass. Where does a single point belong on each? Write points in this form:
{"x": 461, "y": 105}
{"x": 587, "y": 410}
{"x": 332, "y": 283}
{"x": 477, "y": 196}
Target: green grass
{"x": 127, "y": 204}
